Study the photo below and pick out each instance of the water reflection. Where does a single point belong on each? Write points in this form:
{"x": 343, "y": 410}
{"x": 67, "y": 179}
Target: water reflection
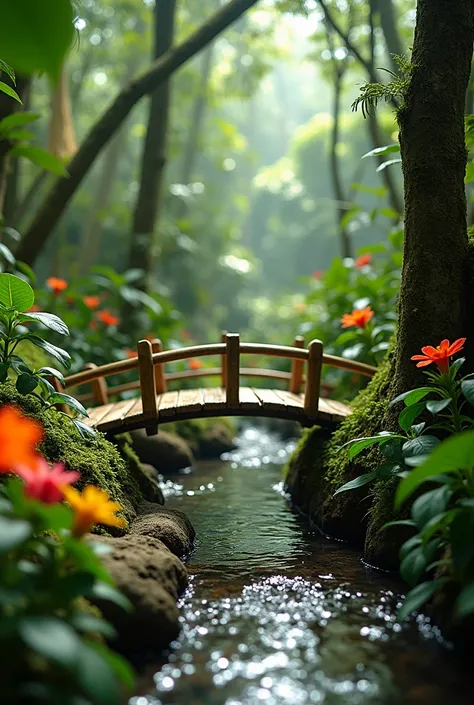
{"x": 276, "y": 614}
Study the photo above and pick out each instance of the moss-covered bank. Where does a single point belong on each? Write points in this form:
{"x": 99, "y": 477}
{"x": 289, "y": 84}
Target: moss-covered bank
{"x": 318, "y": 467}
{"x": 98, "y": 460}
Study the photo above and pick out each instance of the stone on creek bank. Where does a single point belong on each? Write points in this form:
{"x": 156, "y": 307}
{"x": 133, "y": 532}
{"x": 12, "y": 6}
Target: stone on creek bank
{"x": 165, "y": 451}
{"x": 215, "y": 441}
{"x": 148, "y": 571}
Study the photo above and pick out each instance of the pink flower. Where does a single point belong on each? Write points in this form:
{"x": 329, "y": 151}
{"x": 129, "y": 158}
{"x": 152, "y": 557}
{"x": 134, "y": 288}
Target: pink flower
{"x": 46, "y": 483}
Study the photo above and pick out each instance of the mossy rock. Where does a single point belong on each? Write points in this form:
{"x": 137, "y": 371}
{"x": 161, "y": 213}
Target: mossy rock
{"x": 319, "y": 467}
{"x": 99, "y": 461}
{"x": 200, "y": 433}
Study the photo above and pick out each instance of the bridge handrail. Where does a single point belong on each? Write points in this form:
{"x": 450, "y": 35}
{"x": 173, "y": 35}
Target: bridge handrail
{"x": 151, "y": 359}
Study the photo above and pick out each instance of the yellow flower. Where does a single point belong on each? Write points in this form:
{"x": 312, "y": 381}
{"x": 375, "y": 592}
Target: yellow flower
{"x": 91, "y": 507}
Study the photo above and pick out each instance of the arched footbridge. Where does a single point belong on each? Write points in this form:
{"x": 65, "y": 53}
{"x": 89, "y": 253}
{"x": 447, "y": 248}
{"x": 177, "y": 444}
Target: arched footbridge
{"x": 301, "y": 400}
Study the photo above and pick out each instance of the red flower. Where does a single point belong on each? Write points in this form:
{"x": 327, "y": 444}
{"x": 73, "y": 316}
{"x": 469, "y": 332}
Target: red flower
{"x": 195, "y": 364}
{"x": 56, "y": 285}
{"x": 46, "y": 483}
{"x": 107, "y": 318}
{"x": 440, "y": 355}
{"x": 358, "y": 317}
{"x": 130, "y": 353}
{"x": 363, "y": 260}
{"x": 92, "y": 302}
{"x": 19, "y": 437}
{"x": 317, "y": 274}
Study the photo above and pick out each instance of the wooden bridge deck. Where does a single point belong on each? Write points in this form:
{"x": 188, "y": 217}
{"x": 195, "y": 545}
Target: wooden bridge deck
{"x": 191, "y": 403}
{"x": 156, "y": 405}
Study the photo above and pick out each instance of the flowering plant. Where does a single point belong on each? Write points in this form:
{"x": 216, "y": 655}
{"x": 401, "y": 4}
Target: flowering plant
{"x": 52, "y": 642}
{"x": 442, "y": 517}
{"x": 16, "y": 315}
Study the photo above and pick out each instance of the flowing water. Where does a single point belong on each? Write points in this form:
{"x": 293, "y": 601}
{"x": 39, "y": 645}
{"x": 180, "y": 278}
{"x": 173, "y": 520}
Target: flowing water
{"x": 276, "y": 614}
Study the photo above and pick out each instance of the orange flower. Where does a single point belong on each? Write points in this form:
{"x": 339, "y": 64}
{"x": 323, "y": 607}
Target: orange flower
{"x": 363, "y": 260}
{"x": 93, "y": 506}
{"x": 130, "y": 353}
{"x": 440, "y": 355}
{"x": 92, "y": 302}
{"x": 107, "y": 318}
{"x": 195, "y": 364}
{"x": 358, "y": 317}
{"x": 46, "y": 483}
{"x": 19, "y": 437}
{"x": 317, "y": 274}
{"x": 56, "y": 285}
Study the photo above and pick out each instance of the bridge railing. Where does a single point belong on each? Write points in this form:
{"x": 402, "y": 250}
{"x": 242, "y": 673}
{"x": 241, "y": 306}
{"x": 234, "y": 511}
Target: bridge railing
{"x": 153, "y": 380}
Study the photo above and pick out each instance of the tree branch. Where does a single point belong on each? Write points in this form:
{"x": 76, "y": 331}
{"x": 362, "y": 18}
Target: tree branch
{"x": 106, "y": 126}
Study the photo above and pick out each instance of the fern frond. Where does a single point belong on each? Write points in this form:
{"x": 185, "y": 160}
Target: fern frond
{"x": 372, "y": 93}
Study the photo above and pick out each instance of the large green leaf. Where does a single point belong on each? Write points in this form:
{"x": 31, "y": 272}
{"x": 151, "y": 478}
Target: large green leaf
{"x": 40, "y": 157}
{"x": 429, "y": 505}
{"x": 49, "y": 320}
{"x": 51, "y": 638}
{"x": 60, "y": 398}
{"x": 412, "y": 396}
{"x": 8, "y": 90}
{"x": 15, "y": 293}
{"x": 35, "y": 36}
{"x": 15, "y": 120}
{"x": 13, "y": 532}
{"x": 409, "y": 414}
{"x": 58, "y": 353}
{"x": 420, "y": 446}
{"x": 467, "y": 388}
{"x": 96, "y": 677}
{"x": 103, "y": 591}
{"x": 455, "y": 453}
{"x": 417, "y": 597}
{"x": 380, "y": 151}
{"x": 26, "y": 383}
{"x": 118, "y": 664}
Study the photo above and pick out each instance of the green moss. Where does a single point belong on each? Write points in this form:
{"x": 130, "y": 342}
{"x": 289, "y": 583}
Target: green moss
{"x": 99, "y": 461}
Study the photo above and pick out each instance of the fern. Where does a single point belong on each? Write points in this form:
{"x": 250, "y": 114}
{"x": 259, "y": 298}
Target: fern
{"x": 372, "y": 93}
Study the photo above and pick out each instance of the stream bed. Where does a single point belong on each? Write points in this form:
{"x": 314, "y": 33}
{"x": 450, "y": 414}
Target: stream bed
{"x": 276, "y": 614}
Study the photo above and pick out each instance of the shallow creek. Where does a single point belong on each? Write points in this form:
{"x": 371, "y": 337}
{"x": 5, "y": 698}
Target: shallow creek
{"x": 278, "y": 615}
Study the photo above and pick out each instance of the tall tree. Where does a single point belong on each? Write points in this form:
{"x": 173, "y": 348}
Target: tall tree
{"x": 59, "y": 196}
{"x": 435, "y": 297}
{"x": 147, "y": 208}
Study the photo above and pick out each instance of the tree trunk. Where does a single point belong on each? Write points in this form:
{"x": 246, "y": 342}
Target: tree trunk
{"x": 376, "y": 136}
{"x": 435, "y": 290}
{"x": 91, "y": 235}
{"x": 147, "y": 209}
{"x": 101, "y": 132}
{"x": 341, "y": 201}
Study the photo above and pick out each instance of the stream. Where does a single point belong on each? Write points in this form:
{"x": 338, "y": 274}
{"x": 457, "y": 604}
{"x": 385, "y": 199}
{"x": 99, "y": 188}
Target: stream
{"x": 276, "y": 614}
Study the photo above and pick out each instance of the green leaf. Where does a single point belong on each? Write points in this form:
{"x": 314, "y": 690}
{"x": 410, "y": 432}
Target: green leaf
{"x": 5, "y": 88}
{"x": 118, "y": 664}
{"x": 13, "y": 532}
{"x": 90, "y": 624}
{"x": 358, "y": 482}
{"x": 85, "y": 430}
{"x": 49, "y": 320}
{"x": 437, "y": 405}
{"x": 389, "y": 162}
{"x": 429, "y": 505}
{"x": 58, "y": 353}
{"x": 52, "y": 372}
{"x": 421, "y": 445}
{"x": 103, "y": 591}
{"x": 15, "y": 120}
{"x": 15, "y": 293}
{"x": 26, "y": 383}
{"x": 51, "y": 638}
{"x": 379, "y": 151}
{"x": 399, "y": 522}
{"x": 95, "y": 676}
{"x": 35, "y": 36}
{"x": 60, "y": 398}
{"x": 413, "y": 396}
{"x": 417, "y": 597}
{"x": 7, "y": 253}
{"x": 358, "y": 444}
{"x": 413, "y": 565}
{"x": 73, "y": 585}
{"x": 5, "y": 68}
{"x": 455, "y": 453}
{"x": 409, "y": 414}
{"x": 460, "y": 536}
{"x": 40, "y": 157}
{"x": 465, "y": 602}
{"x": 4, "y": 367}
{"x": 467, "y": 388}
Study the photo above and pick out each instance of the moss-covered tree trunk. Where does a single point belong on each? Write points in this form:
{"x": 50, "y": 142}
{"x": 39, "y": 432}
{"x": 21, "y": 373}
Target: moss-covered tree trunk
{"x": 435, "y": 291}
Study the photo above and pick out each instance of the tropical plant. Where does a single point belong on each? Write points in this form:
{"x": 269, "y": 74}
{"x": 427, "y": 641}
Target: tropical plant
{"x": 16, "y": 316}
{"x": 51, "y": 639}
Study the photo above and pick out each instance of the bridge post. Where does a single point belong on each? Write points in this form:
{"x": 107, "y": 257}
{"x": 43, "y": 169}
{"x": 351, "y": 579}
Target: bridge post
{"x": 232, "y": 369}
{"x": 223, "y": 361}
{"x": 297, "y": 367}
{"x": 313, "y": 378}
{"x": 99, "y": 387}
{"x": 147, "y": 385}
{"x": 160, "y": 379}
